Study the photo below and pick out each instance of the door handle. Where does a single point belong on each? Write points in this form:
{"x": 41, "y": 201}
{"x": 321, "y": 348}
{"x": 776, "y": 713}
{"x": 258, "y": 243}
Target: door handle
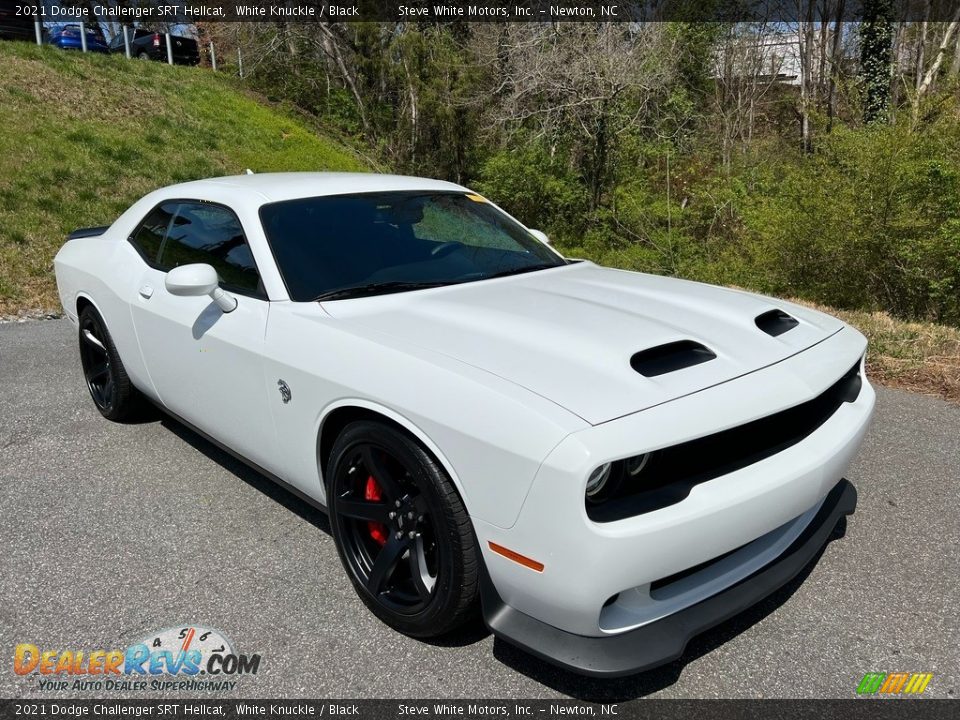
{"x": 146, "y": 292}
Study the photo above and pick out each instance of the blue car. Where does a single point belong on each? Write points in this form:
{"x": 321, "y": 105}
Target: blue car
{"x": 67, "y": 37}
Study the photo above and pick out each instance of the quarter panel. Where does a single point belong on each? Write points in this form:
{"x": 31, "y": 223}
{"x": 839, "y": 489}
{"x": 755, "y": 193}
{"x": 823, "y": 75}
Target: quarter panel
{"x": 102, "y": 270}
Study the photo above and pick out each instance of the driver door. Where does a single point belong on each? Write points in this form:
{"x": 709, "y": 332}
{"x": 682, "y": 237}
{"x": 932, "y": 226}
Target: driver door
{"x": 206, "y": 365}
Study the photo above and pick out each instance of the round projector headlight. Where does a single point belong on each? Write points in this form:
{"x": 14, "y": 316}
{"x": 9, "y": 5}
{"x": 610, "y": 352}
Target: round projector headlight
{"x": 598, "y": 481}
{"x": 635, "y": 465}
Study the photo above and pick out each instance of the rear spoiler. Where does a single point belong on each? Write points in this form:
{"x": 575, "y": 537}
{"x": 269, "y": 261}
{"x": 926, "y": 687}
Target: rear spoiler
{"x": 88, "y": 232}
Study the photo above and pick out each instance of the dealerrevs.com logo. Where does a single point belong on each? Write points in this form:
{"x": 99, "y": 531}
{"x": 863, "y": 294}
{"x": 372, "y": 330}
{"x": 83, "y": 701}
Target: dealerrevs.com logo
{"x": 197, "y": 658}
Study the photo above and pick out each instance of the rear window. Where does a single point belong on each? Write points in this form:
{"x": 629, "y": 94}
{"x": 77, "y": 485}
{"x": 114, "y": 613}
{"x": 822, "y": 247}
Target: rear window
{"x": 148, "y": 238}
{"x": 74, "y": 31}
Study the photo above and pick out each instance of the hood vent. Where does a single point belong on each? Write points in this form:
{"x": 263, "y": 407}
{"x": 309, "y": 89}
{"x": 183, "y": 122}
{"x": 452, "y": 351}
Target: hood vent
{"x": 776, "y": 322}
{"x": 664, "y": 359}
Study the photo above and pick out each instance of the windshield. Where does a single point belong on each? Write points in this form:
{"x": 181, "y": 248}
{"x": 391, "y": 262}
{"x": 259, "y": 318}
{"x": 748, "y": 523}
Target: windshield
{"x": 343, "y": 246}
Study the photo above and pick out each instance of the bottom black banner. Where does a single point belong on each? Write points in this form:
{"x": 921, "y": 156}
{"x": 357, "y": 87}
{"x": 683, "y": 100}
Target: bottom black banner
{"x": 867, "y": 709}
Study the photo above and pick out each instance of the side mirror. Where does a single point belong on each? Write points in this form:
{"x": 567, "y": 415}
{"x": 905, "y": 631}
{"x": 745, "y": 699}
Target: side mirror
{"x": 197, "y": 280}
{"x": 540, "y": 235}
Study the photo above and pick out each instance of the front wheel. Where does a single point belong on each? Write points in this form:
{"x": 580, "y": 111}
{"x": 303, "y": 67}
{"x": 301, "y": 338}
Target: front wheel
{"x": 401, "y": 530}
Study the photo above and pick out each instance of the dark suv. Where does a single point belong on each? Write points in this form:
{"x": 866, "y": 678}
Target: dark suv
{"x": 150, "y": 45}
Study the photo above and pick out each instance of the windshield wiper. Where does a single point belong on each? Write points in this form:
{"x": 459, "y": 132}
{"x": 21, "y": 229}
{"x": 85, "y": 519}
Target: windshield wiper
{"x": 520, "y": 270}
{"x": 376, "y": 288}
{"x": 392, "y": 286}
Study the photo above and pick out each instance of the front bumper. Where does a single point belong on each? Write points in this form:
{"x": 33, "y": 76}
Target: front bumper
{"x": 605, "y": 578}
{"x": 663, "y": 640}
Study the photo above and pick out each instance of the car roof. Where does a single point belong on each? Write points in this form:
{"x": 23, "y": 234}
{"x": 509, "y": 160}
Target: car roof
{"x": 274, "y": 187}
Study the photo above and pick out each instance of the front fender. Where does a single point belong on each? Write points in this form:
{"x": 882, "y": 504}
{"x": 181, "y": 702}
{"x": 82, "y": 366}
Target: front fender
{"x": 489, "y": 434}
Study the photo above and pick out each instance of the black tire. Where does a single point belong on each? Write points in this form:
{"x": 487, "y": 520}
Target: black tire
{"x": 111, "y": 390}
{"x": 143, "y": 55}
{"x": 429, "y": 536}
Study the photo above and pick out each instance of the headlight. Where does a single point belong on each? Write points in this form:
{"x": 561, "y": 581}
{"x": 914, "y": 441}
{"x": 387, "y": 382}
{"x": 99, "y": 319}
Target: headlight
{"x": 635, "y": 465}
{"x": 597, "y": 482}
{"x": 606, "y": 480}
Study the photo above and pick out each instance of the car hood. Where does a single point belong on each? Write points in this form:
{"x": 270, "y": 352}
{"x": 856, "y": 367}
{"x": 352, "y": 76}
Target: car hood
{"x": 569, "y": 334}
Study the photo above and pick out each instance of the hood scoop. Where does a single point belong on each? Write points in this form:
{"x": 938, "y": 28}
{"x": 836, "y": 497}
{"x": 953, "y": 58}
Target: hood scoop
{"x": 775, "y": 322}
{"x": 664, "y": 359}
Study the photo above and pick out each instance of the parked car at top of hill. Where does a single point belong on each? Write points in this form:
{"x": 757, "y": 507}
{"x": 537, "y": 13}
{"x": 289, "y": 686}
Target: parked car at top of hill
{"x": 68, "y": 37}
{"x": 12, "y": 25}
{"x": 150, "y": 45}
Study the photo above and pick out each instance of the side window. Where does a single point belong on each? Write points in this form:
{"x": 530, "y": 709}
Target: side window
{"x": 211, "y": 234}
{"x": 149, "y": 236}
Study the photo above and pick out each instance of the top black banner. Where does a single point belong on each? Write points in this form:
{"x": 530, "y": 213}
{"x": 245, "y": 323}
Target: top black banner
{"x": 542, "y": 11}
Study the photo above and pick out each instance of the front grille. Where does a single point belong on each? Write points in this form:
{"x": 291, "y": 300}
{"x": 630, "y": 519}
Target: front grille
{"x": 672, "y": 472}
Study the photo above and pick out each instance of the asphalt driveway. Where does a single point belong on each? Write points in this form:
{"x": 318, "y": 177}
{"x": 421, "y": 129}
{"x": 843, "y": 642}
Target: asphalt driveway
{"x": 112, "y": 531}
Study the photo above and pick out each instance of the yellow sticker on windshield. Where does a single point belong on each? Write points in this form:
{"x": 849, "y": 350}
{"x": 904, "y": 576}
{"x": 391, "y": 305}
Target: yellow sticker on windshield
{"x": 476, "y": 198}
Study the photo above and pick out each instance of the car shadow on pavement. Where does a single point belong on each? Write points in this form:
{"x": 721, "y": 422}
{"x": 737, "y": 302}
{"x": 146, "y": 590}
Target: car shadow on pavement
{"x": 279, "y": 494}
{"x": 637, "y": 686}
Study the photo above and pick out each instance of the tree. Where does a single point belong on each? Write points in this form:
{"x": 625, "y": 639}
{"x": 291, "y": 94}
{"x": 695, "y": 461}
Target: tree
{"x": 587, "y": 82}
{"x": 876, "y": 58}
{"x": 746, "y": 73}
{"x": 925, "y": 80}
{"x": 836, "y": 57}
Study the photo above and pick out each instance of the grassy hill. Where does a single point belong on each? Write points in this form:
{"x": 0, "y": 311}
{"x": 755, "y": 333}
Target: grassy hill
{"x": 83, "y": 136}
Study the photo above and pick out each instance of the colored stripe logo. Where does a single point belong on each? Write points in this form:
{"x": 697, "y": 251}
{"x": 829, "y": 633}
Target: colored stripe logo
{"x": 899, "y": 683}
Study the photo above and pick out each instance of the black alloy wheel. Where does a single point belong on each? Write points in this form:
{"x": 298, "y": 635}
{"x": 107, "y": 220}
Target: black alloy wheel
{"x": 401, "y": 530}
{"x": 103, "y": 371}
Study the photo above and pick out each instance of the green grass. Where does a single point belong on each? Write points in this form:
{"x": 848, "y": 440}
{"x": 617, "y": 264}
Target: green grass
{"x": 84, "y": 136}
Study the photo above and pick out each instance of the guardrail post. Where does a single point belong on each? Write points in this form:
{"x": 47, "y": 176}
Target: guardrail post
{"x": 240, "y": 62}
{"x": 38, "y": 31}
{"x": 126, "y": 41}
{"x": 213, "y": 57}
{"x": 83, "y": 36}
{"x": 169, "y": 50}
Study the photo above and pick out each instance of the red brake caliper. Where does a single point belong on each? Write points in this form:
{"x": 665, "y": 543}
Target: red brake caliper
{"x": 374, "y": 493}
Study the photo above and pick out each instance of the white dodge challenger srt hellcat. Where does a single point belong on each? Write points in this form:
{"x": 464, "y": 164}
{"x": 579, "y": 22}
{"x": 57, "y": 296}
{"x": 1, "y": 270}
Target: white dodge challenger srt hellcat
{"x": 605, "y": 463}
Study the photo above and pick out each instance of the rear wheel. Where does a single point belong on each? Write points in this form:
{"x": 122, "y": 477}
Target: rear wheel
{"x": 401, "y": 530}
{"x": 114, "y": 395}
